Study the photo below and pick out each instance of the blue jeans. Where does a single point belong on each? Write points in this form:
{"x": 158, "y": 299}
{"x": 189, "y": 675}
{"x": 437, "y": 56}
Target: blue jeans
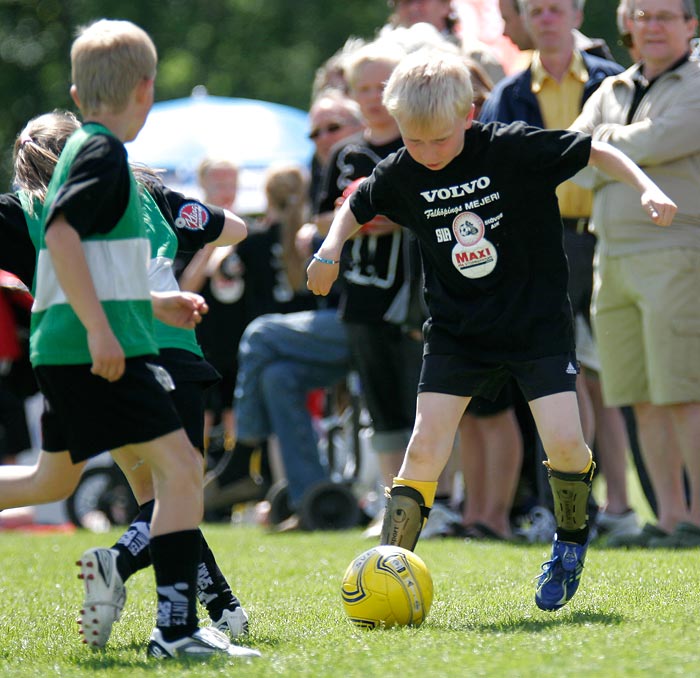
{"x": 281, "y": 357}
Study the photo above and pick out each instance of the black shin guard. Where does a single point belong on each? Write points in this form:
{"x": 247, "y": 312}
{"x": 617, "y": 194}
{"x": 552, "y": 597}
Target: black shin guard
{"x": 404, "y": 517}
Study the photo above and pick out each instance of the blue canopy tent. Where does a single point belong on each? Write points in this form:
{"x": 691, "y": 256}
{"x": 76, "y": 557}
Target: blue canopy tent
{"x": 255, "y": 135}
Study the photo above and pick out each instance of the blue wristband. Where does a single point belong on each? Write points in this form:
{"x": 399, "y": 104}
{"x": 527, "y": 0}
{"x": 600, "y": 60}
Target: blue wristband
{"x": 325, "y": 261}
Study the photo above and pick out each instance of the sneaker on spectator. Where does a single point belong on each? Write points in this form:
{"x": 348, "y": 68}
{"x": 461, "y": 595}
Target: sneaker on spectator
{"x": 441, "y": 522}
{"x": 234, "y": 623}
{"x": 538, "y": 526}
{"x": 685, "y": 536}
{"x": 617, "y": 524}
{"x": 560, "y": 576}
{"x": 202, "y": 644}
{"x": 105, "y": 595}
{"x": 639, "y": 540}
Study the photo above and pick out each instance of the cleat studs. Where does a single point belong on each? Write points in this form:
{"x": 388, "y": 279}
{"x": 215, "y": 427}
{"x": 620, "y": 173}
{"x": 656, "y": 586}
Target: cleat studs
{"x": 81, "y": 576}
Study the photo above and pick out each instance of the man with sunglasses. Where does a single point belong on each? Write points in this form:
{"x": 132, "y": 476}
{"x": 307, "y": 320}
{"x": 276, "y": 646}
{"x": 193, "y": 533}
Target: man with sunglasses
{"x": 646, "y": 310}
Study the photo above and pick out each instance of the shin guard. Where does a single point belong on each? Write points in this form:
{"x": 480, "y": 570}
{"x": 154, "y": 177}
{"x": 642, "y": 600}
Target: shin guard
{"x": 571, "y": 492}
{"x": 404, "y": 517}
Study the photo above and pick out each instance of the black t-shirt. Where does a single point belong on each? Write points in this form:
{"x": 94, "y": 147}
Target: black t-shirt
{"x": 372, "y": 266}
{"x": 490, "y": 236}
{"x": 267, "y": 288}
{"x": 194, "y": 223}
{"x": 18, "y": 256}
{"x": 96, "y": 192}
{"x": 17, "y": 253}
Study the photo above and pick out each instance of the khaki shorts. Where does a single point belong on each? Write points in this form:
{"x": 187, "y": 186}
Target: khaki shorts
{"x": 646, "y": 316}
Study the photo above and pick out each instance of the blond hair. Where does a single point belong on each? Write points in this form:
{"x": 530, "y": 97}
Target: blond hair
{"x": 380, "y": 51}
{"x": 286, "y": 189}
{"x": 429, "y": 87}
{"x": 108, "y": 59}
{"x": 37, "y": 149}
{"x": 211, "y": 163}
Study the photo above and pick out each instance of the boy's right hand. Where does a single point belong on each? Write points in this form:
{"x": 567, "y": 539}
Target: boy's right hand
{"x": 107, "y": 355}
{"x": 321, "y": 276}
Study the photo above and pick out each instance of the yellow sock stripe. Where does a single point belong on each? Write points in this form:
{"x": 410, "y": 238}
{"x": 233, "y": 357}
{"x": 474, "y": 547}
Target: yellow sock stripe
{"x": 590, "y": 462}
{"x": 426, "y": 488}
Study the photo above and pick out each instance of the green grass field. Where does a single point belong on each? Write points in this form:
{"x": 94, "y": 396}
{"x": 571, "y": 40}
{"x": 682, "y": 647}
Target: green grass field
{"x": 636, "y": 613}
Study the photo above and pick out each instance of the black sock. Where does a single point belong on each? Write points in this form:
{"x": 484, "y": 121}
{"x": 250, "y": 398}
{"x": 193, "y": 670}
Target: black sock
{"x": 213, "y": 591}
{"x": 134, "y": 554}
{"x": 175, "y": 558}
{"x": 576, "y": 536}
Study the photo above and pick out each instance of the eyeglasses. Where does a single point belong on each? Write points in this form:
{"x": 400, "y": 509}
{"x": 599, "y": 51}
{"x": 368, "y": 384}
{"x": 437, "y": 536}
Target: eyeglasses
{"x": 328, "y": 129}
{"x": 664, "y": 18}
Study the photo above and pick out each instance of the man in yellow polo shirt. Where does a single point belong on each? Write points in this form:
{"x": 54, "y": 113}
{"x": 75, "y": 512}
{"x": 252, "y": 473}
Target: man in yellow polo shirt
{"x": 550, "y": 93}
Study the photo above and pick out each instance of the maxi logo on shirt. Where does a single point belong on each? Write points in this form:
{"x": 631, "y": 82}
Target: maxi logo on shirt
{"x": 473, "y": 255}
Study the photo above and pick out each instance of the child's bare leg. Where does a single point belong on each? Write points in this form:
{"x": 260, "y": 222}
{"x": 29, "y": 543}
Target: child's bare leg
{"x": 177, "y": 470}
{"x": 52, "y": 478}
{"x": 569, "y": 462}
{"x": 570, "y": 467}
{"x": 137, "y": 473}
{"x": 413, "y": 491}
{"x": 134, "y": 554}
{"x": 559, "y": 426}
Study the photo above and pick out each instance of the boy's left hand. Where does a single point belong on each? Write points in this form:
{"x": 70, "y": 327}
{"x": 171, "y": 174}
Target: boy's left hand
{"x": 180, "y": 309}
{"x": 660, "y": 208}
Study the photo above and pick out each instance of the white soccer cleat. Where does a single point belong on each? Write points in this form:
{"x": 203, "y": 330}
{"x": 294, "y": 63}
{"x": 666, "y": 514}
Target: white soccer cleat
{"x": 202, "y": 644}
{"x": 105, "y": 595}
{"x": 232, "y": 622}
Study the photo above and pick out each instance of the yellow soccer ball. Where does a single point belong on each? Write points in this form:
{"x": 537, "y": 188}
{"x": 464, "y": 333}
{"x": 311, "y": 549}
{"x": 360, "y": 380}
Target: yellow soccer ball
{"x": 387, "y": 586}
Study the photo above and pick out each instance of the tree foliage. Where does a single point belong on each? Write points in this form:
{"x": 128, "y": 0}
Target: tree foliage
{"x": 261, "y": 49}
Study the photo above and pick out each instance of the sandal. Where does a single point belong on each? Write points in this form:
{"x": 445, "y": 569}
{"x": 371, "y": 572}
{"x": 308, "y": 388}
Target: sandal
{"x": 481, "y": 532}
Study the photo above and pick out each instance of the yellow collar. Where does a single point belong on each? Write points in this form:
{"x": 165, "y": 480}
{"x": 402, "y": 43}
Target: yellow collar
{"x": 577, "y": 70}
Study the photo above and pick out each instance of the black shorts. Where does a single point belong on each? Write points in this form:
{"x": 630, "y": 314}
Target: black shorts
{"x": 193, "y": 377}
{"x": 86, "y": 414}
{"x": 482, "y": 408}
{"x": 388, "y": 362}
{"x": 461, "y": 376}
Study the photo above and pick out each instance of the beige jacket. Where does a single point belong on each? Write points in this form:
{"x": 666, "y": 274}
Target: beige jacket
{"x": 664, "y": 139}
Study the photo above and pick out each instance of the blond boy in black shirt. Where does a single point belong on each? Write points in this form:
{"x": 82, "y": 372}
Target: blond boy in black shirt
{"x": 481, "y": 201}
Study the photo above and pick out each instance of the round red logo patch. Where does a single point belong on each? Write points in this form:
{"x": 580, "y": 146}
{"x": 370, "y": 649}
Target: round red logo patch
{"x": 192, "y": 216}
